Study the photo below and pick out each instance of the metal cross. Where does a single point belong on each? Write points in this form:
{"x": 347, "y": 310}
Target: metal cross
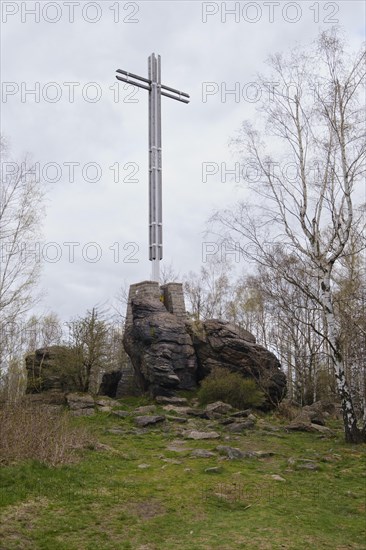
{"x": 156, "y": 89}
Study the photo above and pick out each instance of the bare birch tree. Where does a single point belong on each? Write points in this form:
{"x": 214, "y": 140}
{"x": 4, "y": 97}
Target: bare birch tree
{"x": 207, "y": 292}
{"x": 309, "y": 159}
{"x": 21, "y": 211}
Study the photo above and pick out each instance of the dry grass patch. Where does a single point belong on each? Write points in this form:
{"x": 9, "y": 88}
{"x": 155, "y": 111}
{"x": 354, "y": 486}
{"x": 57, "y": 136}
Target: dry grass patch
{"x": 18, "y": 521}
{"x": 146, "y": 509}
{"x": 39, "y": 432}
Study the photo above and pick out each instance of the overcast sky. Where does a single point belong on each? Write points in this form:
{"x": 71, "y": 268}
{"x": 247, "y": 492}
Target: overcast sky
{"x": 89, "y": 134}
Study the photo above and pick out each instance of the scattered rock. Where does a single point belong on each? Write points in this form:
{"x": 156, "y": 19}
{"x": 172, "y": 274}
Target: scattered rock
{"x": 178, "y": 419}
{"x": 104, "y": 409}
{"x": 264, "y": 454}
{"x": 304, "y": 464}
{"x": 51, "y": 397}
{"x": 303, "y": 425}
{"x": 202, "y": 453}
{"x": 226, "y": 421}
{"x": 214, "y": 470}
{"x": 277, "y": 477}
{"x": 219, "y": 407}
{"x": 321, "y": 429}
{"x": 143, "y": 421}
{"x": 143, "y": 466}
{"x": 231, "y": 452}
{"x": 145, "y": 409}
{"x": 106, "y": 402}
{"x": 121, "y": 414}
{"x": 202, "y": 435}
{"x": 312, "y": 418}
{"x": 175, "y": 408}
{"x": 236, "y": 427}
{"x": 239, "y": 427}
{"x": 171, "y": 400}
{"x": 178, "y": 446}
{"x": 240, "y": 414}
{"x": 315, "y": 413}
{"x": 172, "y": 461}
{"x": 200, "y": 413}
{"x": 300, "y": 426}
{"x": 214, "y": 416}
{"x": 268, "y": 427}
{"x": 78, "y": 401}
{"x": 138, "y": 431}
{"x": 235, "y": 453}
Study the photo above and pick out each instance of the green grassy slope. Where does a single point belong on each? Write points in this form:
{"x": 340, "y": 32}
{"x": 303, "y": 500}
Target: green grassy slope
{"x": 141, "y": 489}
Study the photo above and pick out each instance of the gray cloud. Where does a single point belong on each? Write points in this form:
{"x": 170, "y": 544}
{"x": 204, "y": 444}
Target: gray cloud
{"x": 108, "y": 132}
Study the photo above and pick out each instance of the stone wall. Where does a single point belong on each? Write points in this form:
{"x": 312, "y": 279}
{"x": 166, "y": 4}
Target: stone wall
{"x": 128, "y": 384}
{"x": 170, "y": 294}
{"x": 145, "y": 289}
{"x": 173, "y": 300}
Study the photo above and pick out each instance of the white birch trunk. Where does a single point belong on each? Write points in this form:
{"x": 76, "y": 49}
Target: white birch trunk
{"x": 352, "y": 432}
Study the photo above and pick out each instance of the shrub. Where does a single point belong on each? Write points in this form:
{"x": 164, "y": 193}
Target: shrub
{"x": 38, "y": 432}
{"x": 230, "y": 387}
{"x": 288, "y": 410}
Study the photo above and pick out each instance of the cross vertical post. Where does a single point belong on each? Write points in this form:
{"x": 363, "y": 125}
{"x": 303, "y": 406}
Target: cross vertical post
{"x": 156, "y": 89}
{"x": 155, "y": 168}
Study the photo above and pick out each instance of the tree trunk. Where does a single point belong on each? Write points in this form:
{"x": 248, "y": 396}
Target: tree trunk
{"x": 353, "y": 434}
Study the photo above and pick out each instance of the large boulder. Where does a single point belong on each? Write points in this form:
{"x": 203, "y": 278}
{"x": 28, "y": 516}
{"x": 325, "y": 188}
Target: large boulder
{"x": 221, "y": 344}
{"x": 51, "y": 369}
{"x": 160, "y": 348}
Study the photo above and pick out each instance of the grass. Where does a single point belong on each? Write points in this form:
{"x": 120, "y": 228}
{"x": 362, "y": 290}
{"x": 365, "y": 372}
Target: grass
{"x": 108, "y": 501}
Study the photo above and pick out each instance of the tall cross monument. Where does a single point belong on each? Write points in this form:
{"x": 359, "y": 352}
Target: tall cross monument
{"x": 156, "y": 89}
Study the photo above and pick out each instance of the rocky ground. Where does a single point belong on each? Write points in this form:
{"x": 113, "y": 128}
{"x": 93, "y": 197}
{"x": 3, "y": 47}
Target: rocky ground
{"x": 166, "y": 474}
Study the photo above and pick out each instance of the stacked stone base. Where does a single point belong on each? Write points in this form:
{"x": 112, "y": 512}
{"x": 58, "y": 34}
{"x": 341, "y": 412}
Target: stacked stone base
{"x": 170, "y": 295}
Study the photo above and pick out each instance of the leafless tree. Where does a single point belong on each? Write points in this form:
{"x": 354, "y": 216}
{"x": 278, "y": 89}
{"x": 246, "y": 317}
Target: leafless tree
{"x": 21, "y": 212}
{"x": 310, "y": 163}
{"x": 97, "y": 345}
{"x": 168, "y": 274}
{"x": 207, "y": 292}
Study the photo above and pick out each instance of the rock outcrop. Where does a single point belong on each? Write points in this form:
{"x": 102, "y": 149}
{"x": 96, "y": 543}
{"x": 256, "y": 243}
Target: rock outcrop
{"x": 169, "y": 352}
{"x": 81, "y": 404}
{"x": 160, "y": 348}
{"x": 51, "y": 369}
{"x": 166, "y": 352}
{"x": 221, "y": 344}
{"x": 311, "y": 418}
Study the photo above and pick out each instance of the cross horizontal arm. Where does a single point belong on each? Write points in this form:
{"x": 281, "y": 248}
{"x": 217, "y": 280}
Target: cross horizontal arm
{"x": 178, "y": 98}
{"x": 133, "y": 83}
{"x": 174, "y": 90}
{"x": 137, "y": 77}
{"x": 176, "y": 94}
